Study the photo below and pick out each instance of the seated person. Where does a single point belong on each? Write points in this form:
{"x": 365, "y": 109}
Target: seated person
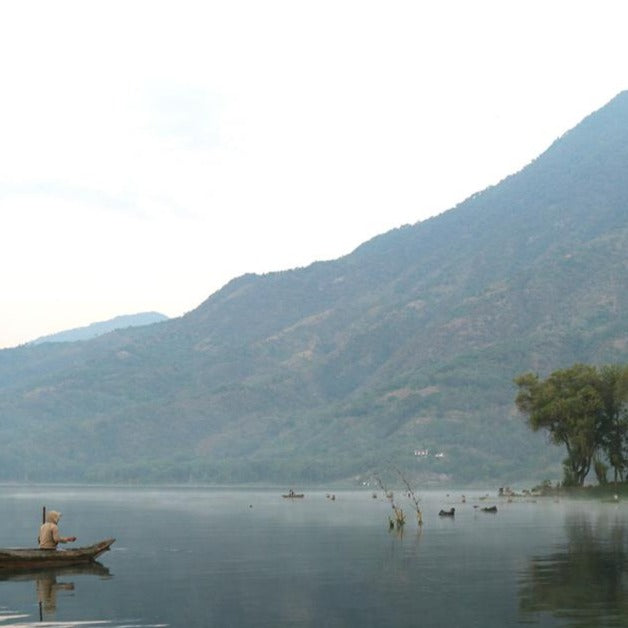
{"x": 49, "y": 536}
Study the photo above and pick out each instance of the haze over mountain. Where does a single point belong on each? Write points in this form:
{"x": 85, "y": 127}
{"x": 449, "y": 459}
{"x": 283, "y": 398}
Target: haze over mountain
{"x": 102, "y": 327}
{"x": 410, "y": 343}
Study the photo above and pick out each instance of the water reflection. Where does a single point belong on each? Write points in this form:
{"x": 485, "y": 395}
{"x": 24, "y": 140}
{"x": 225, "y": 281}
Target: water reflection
{"x": 585, "y": 581}
{"x": 49, "y": 581}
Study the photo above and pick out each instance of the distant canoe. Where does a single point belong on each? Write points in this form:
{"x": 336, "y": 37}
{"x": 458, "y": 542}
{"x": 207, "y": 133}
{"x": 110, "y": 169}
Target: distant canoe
{"x": 447, "y": 513}
{"x": 35, "y": 558}
{"x": 293, "y": 495}
{"x": 490, "y": 509}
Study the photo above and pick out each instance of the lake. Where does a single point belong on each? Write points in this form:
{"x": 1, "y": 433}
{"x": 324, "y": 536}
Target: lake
{"x": 213, "y": 557}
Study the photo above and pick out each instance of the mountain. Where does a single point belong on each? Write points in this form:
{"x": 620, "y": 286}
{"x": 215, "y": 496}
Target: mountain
{"x": 103, "y": 327}
{"x": 334, "y": 371}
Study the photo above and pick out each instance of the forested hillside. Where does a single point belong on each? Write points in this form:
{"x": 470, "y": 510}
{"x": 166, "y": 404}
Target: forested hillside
{"x": 408, "y": 344}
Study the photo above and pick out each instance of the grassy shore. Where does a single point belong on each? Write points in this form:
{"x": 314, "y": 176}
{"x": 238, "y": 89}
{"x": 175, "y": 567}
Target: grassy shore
{"x": 599, "y": 491}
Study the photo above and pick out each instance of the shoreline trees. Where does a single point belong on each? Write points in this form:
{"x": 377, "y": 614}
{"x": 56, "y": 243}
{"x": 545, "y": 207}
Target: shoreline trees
{"x": 584, "y": 408}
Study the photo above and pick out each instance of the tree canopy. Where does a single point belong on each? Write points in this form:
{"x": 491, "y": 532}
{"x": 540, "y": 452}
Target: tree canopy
{"x": 584, "y": 408}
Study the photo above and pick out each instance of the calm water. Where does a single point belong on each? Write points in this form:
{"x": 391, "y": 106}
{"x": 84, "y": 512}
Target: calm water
{"x": 203, "y": 557}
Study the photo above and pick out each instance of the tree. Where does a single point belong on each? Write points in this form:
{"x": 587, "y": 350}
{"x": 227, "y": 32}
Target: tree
{"x": 569, "y": 406}
{"x": 613, "y": 390}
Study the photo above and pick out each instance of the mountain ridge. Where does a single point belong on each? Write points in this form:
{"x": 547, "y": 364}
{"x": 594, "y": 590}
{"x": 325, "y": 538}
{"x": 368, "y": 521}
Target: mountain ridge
{"x": 99, "y": 328}
{"x": 336, "y": 369}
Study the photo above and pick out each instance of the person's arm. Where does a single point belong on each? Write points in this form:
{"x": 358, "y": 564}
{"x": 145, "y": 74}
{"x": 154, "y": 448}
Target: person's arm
{"x": 61, "y": 539}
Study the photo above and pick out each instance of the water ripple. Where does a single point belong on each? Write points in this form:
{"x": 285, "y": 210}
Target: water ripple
{"x": 14, "y": 619}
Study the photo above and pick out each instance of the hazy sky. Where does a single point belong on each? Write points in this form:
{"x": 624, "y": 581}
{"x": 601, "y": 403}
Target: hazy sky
{"x": 152, "y": 151}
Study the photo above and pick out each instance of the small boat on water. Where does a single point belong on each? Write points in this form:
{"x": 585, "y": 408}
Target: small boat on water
{"x": 30, "y": 558}
{"x": 293, "y": 495}
{"x": 447, "y": 513}
{"x": 489, "y": 509}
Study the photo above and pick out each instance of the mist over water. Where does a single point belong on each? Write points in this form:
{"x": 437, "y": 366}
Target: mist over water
{"x": 208, "y": 557}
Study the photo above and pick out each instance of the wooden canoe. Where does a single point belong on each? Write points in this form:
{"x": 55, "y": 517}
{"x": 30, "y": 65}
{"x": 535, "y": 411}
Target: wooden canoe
{"x": 32, "y": 558}
{"x": 293, "y": 495}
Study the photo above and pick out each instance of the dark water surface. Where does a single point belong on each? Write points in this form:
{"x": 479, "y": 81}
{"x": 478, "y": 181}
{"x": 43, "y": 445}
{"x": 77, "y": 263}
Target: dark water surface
{"x": 207, "y": 557}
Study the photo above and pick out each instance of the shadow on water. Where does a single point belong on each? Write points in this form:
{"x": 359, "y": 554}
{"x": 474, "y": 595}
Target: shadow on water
{"x": 49, "y": 581}
{"x": 585, "y": 581}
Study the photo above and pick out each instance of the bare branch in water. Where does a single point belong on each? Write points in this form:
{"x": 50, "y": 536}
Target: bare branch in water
{"x": 400, "y": 517}
{"x": 411, "y": 495}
